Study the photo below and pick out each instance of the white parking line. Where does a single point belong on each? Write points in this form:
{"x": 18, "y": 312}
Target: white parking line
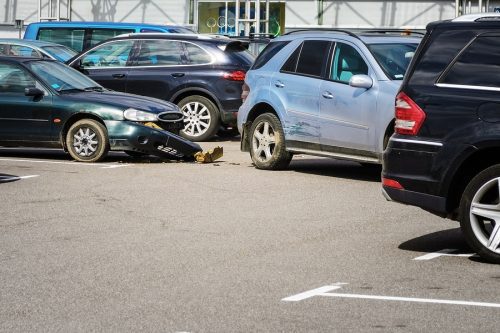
{"x": 29, "y": 176}
{"x": 6, "y": 179}
{"x": 444, "y": 253}
{"x": 101, "y": 166}
{"x": 324, "y": 292}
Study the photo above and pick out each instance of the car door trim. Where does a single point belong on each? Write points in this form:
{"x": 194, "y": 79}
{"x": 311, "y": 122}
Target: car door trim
{"x": 418, "y": 142}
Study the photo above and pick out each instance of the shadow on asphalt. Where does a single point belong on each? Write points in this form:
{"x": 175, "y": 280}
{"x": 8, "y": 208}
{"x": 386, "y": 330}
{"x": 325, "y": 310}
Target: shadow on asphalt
{"x": 436, "y": 241}
{"x": 336, "y": 168}
{"x": 5, "y": 178}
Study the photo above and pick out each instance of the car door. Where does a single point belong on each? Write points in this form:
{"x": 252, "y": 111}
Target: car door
{"x": 23, "y": 118}
{"x": 108, "y": 63}
{"x": 297, "y": 85}
{"x": 347, "y": 112}
{"x": 159, "y": 69}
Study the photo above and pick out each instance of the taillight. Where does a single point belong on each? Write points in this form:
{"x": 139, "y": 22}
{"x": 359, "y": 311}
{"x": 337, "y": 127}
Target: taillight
{"x": 234, "y": 75}
{"x": 245, "y": 90}
{"x": 391, "y": 183}
{"x": 409, "y": 116}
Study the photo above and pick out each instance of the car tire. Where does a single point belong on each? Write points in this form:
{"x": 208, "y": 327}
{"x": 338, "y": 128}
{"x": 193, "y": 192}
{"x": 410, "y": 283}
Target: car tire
{"x": 201, "y": 118}
{"x": 479, "y": 207}
{"x": 87, "y": 141}
{"x": 267, "y": 143}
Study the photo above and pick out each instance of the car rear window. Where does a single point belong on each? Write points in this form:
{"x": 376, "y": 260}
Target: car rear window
{"x": 268, "y": 53}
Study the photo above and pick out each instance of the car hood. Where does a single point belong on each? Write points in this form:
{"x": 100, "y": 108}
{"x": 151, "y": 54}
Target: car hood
{"x": 122, "y": 101}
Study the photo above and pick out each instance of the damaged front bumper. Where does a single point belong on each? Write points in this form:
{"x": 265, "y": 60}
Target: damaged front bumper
{"x": 149, "y": 139}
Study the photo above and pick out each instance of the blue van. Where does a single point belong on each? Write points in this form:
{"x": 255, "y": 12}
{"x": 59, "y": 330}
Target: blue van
{"x": 82, "y": 35}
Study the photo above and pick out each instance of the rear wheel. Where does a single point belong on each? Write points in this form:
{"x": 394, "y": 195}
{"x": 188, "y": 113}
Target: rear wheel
{"x": 87, "y": 141}
{"x": 201, "y": 118}
{"x": 480, "y": 213}
{"x": 267, "y": 143}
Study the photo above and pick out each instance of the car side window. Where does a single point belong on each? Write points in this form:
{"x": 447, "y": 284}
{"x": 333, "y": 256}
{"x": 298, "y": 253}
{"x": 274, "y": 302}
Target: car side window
{"x": 478, "y": 65}
{"x": 113, "y": 54}
{"x": 160, "y": 53}
{"x": 196, "y": 55}
{"x": 346, "y": 62}
{"x": 98, "y": 35}
{"x": 309, "y": 58}
{"x": 69, "y": 37}
{"x": 14, "y": 79}
{"x": 18, "y": 50}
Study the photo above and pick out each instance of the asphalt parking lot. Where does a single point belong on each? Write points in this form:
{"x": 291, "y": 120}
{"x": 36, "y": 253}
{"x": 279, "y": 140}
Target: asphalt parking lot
{"x": 147, "y": 245}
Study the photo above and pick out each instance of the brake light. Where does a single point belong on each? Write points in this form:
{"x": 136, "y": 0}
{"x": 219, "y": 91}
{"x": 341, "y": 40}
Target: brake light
{"x": 409, "y": 116}
{"x": 234, "y": 76}
{"x": 245, "y": 90}
{"x": 391, "y": 183}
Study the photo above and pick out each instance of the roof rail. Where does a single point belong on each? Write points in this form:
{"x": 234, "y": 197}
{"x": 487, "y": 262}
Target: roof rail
{"x": 404, "y": 32}
{"x": 477, "y": 17}
{"x": 347, "y": 32}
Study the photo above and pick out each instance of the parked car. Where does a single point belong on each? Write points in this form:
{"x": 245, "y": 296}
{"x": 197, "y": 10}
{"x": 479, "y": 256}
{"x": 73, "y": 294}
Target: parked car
{"x": 326, "y": 93}
{"x": 35, "y": 48}
{"x": 202, "y": 74}
{"x": 83, "y": 35}
{"x": 444, "y": 156}
{"x": 44, "y": 103}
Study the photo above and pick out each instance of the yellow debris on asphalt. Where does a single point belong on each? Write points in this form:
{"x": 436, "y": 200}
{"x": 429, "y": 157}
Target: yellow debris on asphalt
{"x": 209, "y": 156}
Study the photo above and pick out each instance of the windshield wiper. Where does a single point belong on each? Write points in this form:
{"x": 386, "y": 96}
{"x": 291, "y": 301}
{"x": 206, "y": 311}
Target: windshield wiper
{"x": 95, "y": 88}
{"x": 71, "y": 90}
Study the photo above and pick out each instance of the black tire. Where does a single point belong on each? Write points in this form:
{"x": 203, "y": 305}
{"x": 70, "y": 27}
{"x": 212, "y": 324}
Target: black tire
{"x": 479, "y": 227}
{"x": 82, "y": 149}
{"x": 276, "y": 157}
{"x": 199, "y": 111}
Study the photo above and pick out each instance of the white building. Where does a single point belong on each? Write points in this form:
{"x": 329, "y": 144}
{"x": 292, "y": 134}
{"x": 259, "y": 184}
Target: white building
{"x": 210, "y": 16}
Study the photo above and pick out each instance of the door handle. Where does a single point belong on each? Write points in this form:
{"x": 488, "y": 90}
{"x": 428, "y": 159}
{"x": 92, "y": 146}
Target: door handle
{"x": 327, "y": 95}
{"x": 279, "y": 84}
{"x": 118, "y": 76}
{"x": 177, "y": 74}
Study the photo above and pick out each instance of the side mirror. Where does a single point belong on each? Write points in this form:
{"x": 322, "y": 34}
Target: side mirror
{"x": 34, "y": 92}
{"x": 361, "y": 81}
{"x": 78, "y": 65}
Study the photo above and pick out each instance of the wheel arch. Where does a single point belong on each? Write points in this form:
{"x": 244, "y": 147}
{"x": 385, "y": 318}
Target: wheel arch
{"x": 73, "y": 119}
{"x": 178, "y": 96}
{"x": 472, "y": 164}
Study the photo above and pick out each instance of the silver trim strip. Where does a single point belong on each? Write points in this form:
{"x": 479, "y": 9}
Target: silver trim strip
{"x": 340, "y": 156}
{"x": 460, "y": 86}
{"x": 24, "y": 119}
{"x": 418, "y": 142}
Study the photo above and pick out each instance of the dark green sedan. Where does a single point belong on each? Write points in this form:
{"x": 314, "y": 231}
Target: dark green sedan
{"x": 44, "y": 103}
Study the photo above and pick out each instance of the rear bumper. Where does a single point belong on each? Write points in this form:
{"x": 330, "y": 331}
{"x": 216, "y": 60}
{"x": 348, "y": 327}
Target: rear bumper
{"x": 130, "y": 136}
{"x": 229, "y": 112}
{"x": 431, "y": 203}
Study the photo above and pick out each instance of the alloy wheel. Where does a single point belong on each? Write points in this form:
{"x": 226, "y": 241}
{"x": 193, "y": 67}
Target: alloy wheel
{"x": 263, "y": 141}
{"x": 85, "y": 142}
{"x": 196, "y": 118}
{"x": 485, "y": 215}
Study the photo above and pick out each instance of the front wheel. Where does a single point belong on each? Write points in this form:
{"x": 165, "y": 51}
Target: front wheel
{"x": 267, "y": 143}
{"x": 87, "y": 141}
{"x": 201, "y": 118}
{"x": 480, "y": 214}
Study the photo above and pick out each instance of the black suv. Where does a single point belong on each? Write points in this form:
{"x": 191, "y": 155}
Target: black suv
{"x": 445, "y": 154}
{"x": 203, "y": 75}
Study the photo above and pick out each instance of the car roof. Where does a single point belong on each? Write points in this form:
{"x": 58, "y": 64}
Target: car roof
{"x": 155, "y": 35}
{"x": 22, "y": 59}
{"x": 367, "y": 37}
{"x": 27, "y": 42}
{"x": 85, "y": 24}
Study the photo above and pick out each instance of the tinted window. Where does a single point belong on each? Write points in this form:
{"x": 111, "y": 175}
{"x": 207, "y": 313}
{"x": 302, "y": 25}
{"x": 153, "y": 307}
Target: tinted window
{"x": 393, "y": 58}
{"x": 269, "y": 51}
{"x": 479, "y": 65}
{"x": 114, "y": 54}
{"x": 60, "y": 53}
{"x": 70, "y": 37}
{"x": 14, "y": 79}
{"x": 196, "y": 55}
{"x": 18, "y": 50}
{"x": 160, "y": 52}
{"x": 346, "y": 62}
{"x": 291, "y": 63}
{"x": 98, "y": 35}
{"x": 312, "y": 56}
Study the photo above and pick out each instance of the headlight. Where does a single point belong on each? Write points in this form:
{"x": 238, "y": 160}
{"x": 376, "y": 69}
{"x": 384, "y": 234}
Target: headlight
{"x": 137, "y": 115}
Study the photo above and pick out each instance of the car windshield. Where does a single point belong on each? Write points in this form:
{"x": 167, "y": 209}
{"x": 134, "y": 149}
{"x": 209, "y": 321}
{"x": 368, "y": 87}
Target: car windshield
{"x": 61, "y": 77}
{"x": 61, "y": 53}
{"x": 393, "y": 58}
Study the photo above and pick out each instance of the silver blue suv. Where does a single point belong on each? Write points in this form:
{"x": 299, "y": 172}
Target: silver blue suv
{"x": 326, "y": 93}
